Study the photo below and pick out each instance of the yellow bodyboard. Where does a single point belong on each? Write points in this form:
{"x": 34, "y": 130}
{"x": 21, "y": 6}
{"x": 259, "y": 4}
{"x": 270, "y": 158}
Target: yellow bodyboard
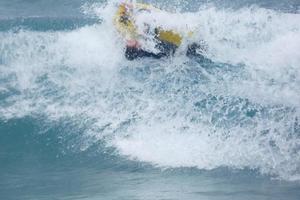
{"x": 124, "y": 22}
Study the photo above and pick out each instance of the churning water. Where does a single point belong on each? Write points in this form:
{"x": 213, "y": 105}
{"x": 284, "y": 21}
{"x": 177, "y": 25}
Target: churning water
{"x": 79, "y": 121}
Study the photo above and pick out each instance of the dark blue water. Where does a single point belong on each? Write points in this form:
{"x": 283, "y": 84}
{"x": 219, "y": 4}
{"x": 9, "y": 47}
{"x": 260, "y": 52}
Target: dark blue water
{"x": 79, "y": 121}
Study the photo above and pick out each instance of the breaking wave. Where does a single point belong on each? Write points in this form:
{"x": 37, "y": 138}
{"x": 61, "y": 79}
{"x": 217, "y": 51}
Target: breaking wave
{"x": 239, "y": 111}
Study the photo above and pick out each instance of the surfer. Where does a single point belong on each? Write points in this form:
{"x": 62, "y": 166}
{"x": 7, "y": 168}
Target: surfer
{"x": 165, "y": 41}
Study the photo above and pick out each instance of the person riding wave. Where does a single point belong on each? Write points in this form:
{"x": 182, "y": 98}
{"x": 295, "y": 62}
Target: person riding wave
{"x": 166, "y": 42}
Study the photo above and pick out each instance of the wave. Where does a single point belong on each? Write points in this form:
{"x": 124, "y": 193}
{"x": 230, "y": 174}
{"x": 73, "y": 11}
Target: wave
{"x": 241, "y": 111}
{"x": 45, "y": 23}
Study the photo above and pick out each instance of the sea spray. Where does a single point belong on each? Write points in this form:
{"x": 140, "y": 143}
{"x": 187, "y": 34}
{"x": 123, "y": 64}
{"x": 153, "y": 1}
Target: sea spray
{"x": 240, "y": 112}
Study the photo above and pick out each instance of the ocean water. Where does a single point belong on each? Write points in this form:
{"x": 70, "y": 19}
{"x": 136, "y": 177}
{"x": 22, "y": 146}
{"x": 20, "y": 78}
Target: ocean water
{"x": 79, "y": 121}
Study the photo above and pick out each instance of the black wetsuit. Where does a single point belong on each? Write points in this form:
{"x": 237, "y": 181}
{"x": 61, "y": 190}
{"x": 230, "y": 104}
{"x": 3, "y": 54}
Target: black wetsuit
{"x": 165, "y": 49}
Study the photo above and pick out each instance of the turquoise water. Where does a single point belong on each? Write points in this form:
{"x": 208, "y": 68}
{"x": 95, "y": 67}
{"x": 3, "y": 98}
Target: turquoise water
{"x": 79, "y": 121}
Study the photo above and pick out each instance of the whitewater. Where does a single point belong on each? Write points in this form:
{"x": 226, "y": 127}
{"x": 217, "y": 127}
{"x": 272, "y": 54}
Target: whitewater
{"x": 79, "y": 121}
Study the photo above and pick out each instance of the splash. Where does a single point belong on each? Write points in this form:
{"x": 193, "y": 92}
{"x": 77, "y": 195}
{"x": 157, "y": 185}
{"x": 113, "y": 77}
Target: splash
{"x": 241, "y": 111}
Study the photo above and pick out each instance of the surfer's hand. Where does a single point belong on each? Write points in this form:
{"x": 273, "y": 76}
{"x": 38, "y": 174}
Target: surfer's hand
{"x": 133, "y": 43}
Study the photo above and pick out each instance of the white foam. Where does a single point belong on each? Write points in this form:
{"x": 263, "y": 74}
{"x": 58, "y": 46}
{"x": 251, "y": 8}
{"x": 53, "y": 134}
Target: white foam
{"x": 147, "y": 109}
